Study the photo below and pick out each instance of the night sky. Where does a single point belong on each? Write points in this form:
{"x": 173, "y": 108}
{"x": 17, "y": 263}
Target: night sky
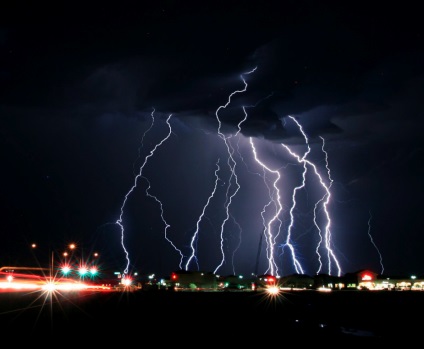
{"x": 132, "y": 131}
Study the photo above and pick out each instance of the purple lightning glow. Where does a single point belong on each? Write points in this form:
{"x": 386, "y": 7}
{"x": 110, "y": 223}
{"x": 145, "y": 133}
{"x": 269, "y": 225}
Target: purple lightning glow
{"x": 271, "y": 213}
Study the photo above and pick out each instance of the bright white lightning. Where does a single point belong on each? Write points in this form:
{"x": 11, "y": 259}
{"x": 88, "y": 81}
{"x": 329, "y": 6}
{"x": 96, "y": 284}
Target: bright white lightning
{"x": 231, "y": 164}
{"x": 195, "y": 235}
{"x": 142, "y": 140}
{"x": 269, "y": 235}
{"x": 318, "y": 203}
{"x": 304, "y": 161}
{"x": 372, "y": 241}
{"x": 229, "y": 101}
{"x": 288, "y": 243}
{"x": 119, "y": 221}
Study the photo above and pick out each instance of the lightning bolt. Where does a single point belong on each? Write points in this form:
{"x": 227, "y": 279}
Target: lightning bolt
{"x": 372, "y": 241}
{"x": 326, "y": 199}
{"x": 162, "y": 217}
{"x": 231, "y": 163}
{"x": 271, "y": 211}
{"x": 196, "y": 233}
{"x": 288, "y": 243}
{"x": 317, "y": 205}
{"x": 268, "y": 227}
{"x": 238, "y": 245}
{"x": 136, "y": 178}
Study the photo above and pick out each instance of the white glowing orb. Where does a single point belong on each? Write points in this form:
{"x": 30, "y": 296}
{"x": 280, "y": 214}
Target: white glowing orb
{"x": 273, "y": 290}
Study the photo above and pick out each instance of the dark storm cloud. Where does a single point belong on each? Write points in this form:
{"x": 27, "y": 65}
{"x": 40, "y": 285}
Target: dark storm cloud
{"x": 112, "y": 60}
{"x": 322, "y": 75}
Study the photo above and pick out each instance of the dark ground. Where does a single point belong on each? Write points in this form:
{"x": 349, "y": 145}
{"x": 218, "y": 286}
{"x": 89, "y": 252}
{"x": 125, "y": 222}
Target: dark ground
{"x": 306, "y": 316}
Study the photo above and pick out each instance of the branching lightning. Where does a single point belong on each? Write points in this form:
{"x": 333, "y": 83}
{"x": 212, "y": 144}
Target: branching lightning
{"x": 318, "y": 204}
{"x": 196, "y": 233}
{"x": 120, "y": 220}
{"x": 326, "y": 199}
{"x": 231, "y": 164}
{"x": 268, "y": 231}
{"x": 272, "y": 211}
{"x": 162, "y": 217}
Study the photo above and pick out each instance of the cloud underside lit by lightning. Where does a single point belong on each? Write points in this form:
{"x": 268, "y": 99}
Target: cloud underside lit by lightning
{"x": 278, "y": 219}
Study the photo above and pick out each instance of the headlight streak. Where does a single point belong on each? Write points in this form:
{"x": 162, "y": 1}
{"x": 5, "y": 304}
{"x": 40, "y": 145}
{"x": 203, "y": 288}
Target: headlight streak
{"x": 47, "y": 292}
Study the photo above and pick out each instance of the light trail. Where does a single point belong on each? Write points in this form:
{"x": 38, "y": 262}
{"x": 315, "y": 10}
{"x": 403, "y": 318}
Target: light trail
{"x": 27, "y": 282}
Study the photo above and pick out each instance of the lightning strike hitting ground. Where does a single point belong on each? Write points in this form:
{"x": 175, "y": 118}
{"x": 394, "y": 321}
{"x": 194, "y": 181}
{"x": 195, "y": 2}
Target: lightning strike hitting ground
{"x": 231, "y": 164}
{"x": 271, "y": 212}
{"x": 325, "y": 199}
{"x": 196, "y": 233}
{"x": 372, "y": 241}
{"x": 269, "y": 230}
{"x": 163, "y": 218}
{"x": 119, "y": 221}
{"x": 318, "y": 205}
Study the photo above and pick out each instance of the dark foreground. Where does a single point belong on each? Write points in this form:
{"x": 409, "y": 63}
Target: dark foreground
{"x": 208, "y": 318}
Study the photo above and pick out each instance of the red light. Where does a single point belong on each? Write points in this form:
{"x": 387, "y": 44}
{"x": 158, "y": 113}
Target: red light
{"x": 366, "y": 277}
{"x": 271, "y": 280}
{"x": 173, "y": 276}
